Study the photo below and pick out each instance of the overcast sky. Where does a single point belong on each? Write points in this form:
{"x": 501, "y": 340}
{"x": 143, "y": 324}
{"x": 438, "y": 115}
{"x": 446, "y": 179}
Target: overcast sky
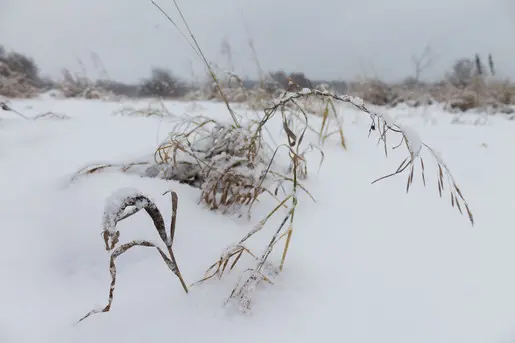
{"x": 329, "y": 39}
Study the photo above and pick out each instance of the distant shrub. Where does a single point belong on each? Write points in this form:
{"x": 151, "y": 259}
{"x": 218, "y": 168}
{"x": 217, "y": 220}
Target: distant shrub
{"x": 164, "y": 84}
{"x": 119, "y": 88}
{"x": 281, "y": 78}
{"x": 295, "y": 79}
{"x": 22, "y": 64}
{"x": 300, "y": 80}
{"x": 373, "y": 91}
{"x": 19, "y": 75}
{"x": 73, "y": 85}
{"x": 463, "y": 72}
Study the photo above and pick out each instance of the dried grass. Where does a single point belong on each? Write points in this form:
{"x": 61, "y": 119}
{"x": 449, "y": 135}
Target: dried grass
{"x": 122, "y": 206}
{"x": 155, "y": 108}
{"x": 17, "y": 86}
{"x": 380, "y": 123}
{"x": 100, "y": 167}
{"x": 75, "y": 85}
{"x": 46, "y": 115}
{"x": 18, "y": 76}
{"x": 480, "y": 93}
{"x": 225, "y": 161}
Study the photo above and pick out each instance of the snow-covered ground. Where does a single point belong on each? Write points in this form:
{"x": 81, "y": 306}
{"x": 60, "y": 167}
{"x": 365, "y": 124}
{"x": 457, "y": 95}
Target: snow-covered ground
{"x": 367, "y": 263}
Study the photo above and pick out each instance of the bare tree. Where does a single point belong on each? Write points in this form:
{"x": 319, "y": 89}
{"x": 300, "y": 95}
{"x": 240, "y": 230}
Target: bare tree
{"x": 225, "y": 50}
{"x": 99, "y": 65}
{"x": 256, "y": 60}
{"x": 491, "y": 64}
{"x": 423, "y": 61}
{"x": 479, "y": 66}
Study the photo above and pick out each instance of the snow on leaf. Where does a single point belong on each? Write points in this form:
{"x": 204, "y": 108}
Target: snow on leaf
{"x": 117, "y": 207}
{"x": 413, "y": 140}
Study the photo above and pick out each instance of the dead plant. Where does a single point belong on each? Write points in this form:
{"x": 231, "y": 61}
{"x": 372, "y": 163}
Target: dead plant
{"x": 380, "y": 123}
{"x": 98, "y": 167}
{"x": 122, "y": 205}
{"x": 222, "y": 160}
{"x": 47, "y": 115}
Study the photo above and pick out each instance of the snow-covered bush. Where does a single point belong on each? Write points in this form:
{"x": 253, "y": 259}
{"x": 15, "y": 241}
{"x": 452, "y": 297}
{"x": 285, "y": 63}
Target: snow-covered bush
{"x": 19, "y": 76}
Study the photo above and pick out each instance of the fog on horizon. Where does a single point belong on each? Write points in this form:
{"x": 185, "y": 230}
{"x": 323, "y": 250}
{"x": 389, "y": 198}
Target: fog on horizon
{"x": 325, "y": 39}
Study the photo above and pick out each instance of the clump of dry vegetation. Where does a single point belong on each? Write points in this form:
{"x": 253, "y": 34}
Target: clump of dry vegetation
{"x": 235, "y": 90}
{"x": 490, "y": 96}
{"x": 226, "y": 162}
{"x": 19, "y": 76}
{"x": 468, "y": 86}
{"x": 373, "y": 91}
{"x": 77, "y": 86}
{"x": 380, "y": 123}
{"x": 163, "y": 84}
{"x": 155, "y": 108}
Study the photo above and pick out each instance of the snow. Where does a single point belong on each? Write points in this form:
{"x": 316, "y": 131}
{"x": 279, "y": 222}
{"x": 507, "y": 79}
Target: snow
{"x": 367, "y": 263}
{"x": 116, "y": 202}
{"x": 412, "y": 140}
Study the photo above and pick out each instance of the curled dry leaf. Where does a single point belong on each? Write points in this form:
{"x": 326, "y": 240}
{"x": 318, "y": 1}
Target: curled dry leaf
{"x": 120, "y": 206}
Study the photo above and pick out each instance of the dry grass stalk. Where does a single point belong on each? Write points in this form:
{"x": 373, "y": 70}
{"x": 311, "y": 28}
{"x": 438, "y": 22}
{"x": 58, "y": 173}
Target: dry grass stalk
{"x": 52, "y": 115}
{"x": 242, "y": 290}
{"x": 47, "y": 115}
{"x": 122, "y": 206}
{"x": 298, "y": 168}
{"x": 154, "y": 108}
{"x": 236, "y": 250}
{"x": 383, "y": 125}
{"x": 196, "y": 48}
{"x": 99, "y": 167}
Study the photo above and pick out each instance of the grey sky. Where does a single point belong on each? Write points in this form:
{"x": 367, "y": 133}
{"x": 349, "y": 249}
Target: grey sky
{"x": 324, "y": 38}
